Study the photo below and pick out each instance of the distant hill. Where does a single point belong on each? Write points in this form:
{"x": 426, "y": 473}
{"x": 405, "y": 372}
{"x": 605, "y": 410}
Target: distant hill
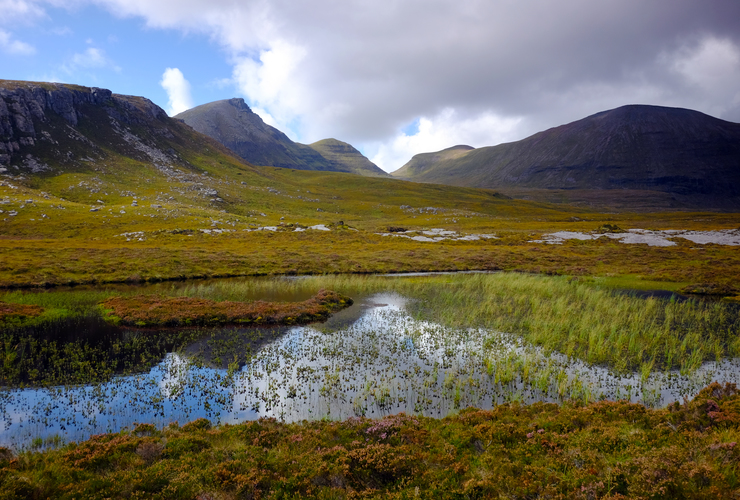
{"x": 420, "y": 163}
{"x": 236, "y": 126}
{"x": 688, "y": 155}
{"x": 346, "y": 158}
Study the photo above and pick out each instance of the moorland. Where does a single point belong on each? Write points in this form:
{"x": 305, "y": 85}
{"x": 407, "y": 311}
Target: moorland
{"x": 118, "y": 221}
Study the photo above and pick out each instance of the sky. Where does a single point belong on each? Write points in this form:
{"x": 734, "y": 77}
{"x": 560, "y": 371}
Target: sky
{"x": 392, "y": 77}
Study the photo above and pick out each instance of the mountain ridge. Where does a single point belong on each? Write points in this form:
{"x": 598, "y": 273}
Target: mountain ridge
{"x": 687, "y": 154}
{"x": 233, "y": 123}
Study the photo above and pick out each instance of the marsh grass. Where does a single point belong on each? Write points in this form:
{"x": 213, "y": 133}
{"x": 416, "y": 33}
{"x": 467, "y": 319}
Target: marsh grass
{"x": 596, "y": 325}
{"x": 577, "y": 318}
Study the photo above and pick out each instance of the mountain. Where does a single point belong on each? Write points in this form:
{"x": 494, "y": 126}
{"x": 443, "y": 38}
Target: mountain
{"x": 691, "y": 157}
{"x": 423, "y": 161}
{"x": 52, "y": 128}
{"x": 345, "y": 158}
{"x": 232, "y": 123}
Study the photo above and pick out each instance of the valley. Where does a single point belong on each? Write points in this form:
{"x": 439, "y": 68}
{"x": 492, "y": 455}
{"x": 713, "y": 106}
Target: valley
{"x": 307, "y": 331}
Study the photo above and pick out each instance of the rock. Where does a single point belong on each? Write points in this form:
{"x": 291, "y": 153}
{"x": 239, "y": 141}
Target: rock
{"x": 94, "y": 209}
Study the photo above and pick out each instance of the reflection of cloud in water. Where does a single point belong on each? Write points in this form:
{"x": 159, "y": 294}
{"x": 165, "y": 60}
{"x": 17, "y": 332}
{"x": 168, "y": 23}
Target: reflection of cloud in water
{"x": 175, "y": 370}
{"x": 382, "y": 362}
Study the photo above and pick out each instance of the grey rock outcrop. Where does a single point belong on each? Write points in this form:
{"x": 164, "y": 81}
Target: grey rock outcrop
{"x": 25, "y": 106}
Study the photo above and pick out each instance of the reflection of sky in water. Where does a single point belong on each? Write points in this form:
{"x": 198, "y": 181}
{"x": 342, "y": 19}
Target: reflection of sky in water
{"x": 382, "y": 362}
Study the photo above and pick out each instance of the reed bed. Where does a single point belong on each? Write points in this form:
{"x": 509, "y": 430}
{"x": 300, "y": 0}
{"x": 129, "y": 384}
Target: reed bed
{"x": 599, "y": 326}
{"x": 579, "y": 319}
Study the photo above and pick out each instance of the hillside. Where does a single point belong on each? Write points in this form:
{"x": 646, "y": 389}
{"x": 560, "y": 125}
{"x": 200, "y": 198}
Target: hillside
{"x": 692, "y": 157}
{"x": 232, "y": 123}
{"x": 346, "y": 158}
{"x": 420, "y": 163}
{"x": 88, "y": 145}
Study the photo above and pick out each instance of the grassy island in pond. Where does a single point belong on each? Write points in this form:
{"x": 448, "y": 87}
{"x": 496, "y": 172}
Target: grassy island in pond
{"x": 152, "y": 310}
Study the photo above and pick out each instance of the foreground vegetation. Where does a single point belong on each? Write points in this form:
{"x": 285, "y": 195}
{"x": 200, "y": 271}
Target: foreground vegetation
{"x": 604, "y": 450}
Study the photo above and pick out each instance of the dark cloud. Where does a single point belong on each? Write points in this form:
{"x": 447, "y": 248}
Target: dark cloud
{"x": 361, "y": 70}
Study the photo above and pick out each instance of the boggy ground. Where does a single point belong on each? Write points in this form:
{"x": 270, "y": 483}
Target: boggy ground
{"x": 584, "y": 318}
{"x": 603, "y": 450}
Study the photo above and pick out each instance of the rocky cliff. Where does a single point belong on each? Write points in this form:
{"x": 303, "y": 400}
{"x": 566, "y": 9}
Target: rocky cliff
{"x": 47, "y": 126}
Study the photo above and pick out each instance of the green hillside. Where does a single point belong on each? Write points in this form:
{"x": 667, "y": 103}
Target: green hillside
{"x": 347, "y": 158}
{"x": 422, "y": 162}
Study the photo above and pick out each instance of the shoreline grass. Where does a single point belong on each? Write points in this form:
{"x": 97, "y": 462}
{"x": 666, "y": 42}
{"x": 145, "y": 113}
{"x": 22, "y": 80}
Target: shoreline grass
{"x": 577, "y": 318}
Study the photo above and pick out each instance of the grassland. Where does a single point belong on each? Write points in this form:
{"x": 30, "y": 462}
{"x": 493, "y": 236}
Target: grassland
{"x": 606, "y": 450}
{"x": 53, "y": 241}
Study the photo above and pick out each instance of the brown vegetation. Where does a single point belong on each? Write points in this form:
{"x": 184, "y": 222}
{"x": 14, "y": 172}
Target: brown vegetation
{"x": 604, "y": 450}
{"x": 12, "y": 312}
{"x": 154, "y": 310}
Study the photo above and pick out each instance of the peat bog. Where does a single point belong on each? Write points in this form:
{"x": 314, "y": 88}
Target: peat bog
{"x": 422, "y": 345}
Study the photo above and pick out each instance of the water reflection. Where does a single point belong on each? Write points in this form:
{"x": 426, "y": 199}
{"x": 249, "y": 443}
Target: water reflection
{"x": 372, "y": 359}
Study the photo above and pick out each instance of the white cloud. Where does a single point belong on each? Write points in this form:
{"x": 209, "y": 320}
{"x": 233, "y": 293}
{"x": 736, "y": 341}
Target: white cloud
{"x": 90, "y": 58}
{"x": 273, "y": 83}
{"x": 712, "y": 66}
{"x": 358, "y": 70}
{"x": 445, "y": 130}
{"x": 20, "y": 11}
{"x": 14, "y": 47}
{"x": 178, "y": 91}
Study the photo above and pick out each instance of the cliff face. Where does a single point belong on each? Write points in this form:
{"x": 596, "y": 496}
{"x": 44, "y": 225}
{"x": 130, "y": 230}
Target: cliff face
{"x": 41, "y": 123}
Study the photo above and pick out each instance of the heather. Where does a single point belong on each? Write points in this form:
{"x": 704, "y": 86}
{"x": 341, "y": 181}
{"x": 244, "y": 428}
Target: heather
{"x": 601, "y": 450}
{"x": 142, "y": 310}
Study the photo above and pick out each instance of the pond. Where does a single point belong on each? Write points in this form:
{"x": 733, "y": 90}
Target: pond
{"x": 371, "y": 359}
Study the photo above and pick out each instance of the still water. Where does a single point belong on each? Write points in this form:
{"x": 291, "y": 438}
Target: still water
{"x": 371, "y": 359}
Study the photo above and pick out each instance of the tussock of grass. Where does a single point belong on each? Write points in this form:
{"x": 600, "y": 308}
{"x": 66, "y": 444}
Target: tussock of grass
{"x": 149, "y": 310}
{"x": 610, "y": 450}
{"x": 15, "y": 313}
